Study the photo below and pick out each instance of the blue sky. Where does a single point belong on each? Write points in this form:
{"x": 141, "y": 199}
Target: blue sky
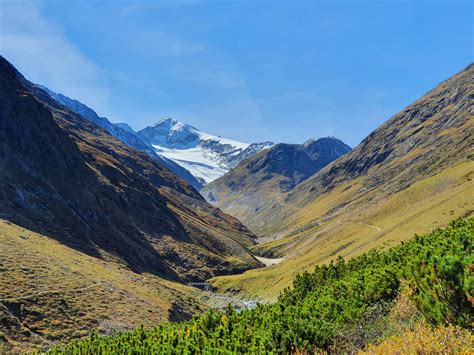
{"x": 250, "y": 70}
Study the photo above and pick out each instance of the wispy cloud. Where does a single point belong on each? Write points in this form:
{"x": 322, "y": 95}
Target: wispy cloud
{"x": 43, "y": 53}
{"x": 152, "y": 38}
{"x": 38, "y": 46}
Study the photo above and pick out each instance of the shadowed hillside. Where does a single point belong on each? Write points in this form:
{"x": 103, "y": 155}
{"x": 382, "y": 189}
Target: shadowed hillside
{"x": 66, "y": 178}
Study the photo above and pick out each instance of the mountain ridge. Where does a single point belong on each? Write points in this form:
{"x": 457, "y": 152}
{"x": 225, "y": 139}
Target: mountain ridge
{"x": 264, "y": 178}
{"x": 123, "y": 132}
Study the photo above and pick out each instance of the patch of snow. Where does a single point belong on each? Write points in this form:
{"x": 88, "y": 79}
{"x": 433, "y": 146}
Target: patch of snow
{"x": 209, "y": 137}
{"x": 269, "y": 262}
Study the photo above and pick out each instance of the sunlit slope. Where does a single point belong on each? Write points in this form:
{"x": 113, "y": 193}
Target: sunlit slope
{"x": 433, "y": 133}
{"x": 50, "y": 292}
{"x": 411, "y": 174}
{"x": 427, "y": 204}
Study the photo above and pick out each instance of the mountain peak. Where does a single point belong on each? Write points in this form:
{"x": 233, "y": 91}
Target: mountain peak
{"x": 126, "y": 127}
{"x": 166, "y": 120}
{"x": 171, "y": 134}
{"x": 173, "y": 124}
{"x": 261, "y": 179}
{"x": 206, "y": 156}
{"x": 121, "y": 131}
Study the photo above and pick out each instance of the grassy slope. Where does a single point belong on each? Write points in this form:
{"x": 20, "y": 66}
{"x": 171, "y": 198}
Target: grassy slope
{"x": 432, "y": 134}
{"x": 68, "y": 293}
{"x": 426, "y": 204}
{"x": 411, "y": 174}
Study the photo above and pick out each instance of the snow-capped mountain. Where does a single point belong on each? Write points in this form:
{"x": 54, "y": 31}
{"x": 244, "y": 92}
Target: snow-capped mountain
{"x": 124, "y": 133}
{"x": 206, "y": 156}
{"x": 195, "y": 156}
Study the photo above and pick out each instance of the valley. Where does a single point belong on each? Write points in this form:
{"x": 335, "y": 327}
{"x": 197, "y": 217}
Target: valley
{"x": 173, "y": 240}
{"x": 439, "y": 200}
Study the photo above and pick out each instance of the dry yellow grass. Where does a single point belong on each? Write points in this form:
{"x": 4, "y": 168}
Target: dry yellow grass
{"x": 426, "y": 340}
{"x": 49, "y": 292}
{"x": 362, "y": 223}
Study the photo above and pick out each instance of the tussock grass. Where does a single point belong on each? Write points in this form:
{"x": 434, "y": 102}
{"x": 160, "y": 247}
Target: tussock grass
{"x": 49, "y": 292}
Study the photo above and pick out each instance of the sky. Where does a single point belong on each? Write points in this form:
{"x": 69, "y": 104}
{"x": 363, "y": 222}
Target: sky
{"x": 253, "y": 71}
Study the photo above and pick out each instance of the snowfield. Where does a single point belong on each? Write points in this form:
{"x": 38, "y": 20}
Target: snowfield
{"x": 204, "y": 155}
{"x": 197, "y": 161}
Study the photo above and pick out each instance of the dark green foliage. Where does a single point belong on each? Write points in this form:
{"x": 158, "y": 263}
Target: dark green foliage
{"x": 441, "y": 271}
{"x": 438, "y": 267}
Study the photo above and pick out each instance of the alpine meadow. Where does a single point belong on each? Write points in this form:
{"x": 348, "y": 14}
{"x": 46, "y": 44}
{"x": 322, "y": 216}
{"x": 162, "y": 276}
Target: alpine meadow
{"x": 236, "y": 177}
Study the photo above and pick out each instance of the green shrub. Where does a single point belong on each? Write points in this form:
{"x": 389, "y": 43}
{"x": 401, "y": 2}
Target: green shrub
{"x": 437, "y": 267}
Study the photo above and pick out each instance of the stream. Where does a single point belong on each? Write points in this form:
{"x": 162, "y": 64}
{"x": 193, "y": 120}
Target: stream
{"x": 220, "y": 301}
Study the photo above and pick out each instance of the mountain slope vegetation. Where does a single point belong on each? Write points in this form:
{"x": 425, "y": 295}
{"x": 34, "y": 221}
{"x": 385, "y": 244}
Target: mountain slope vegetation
{"x": 262, "y": 179}
{"x": 335, "y": 307}
{"x": 66, "y": 178}
{"x": 96, "y": 234}
{"x": 413, "y": 173}
{"x": 50, "y": 292}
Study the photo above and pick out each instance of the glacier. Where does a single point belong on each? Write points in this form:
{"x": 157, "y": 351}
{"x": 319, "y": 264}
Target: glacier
{"x": 205, "y": 155}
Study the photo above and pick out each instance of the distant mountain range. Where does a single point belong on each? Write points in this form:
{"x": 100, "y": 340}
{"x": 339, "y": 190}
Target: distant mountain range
{"x": 205, "y": 155}
{"x": 195, "y": 156}
{"x": 123, "y": 132}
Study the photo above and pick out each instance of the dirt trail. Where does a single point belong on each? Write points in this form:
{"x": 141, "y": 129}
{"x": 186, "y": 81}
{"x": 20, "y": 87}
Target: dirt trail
{"x": 378, "y": 229}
